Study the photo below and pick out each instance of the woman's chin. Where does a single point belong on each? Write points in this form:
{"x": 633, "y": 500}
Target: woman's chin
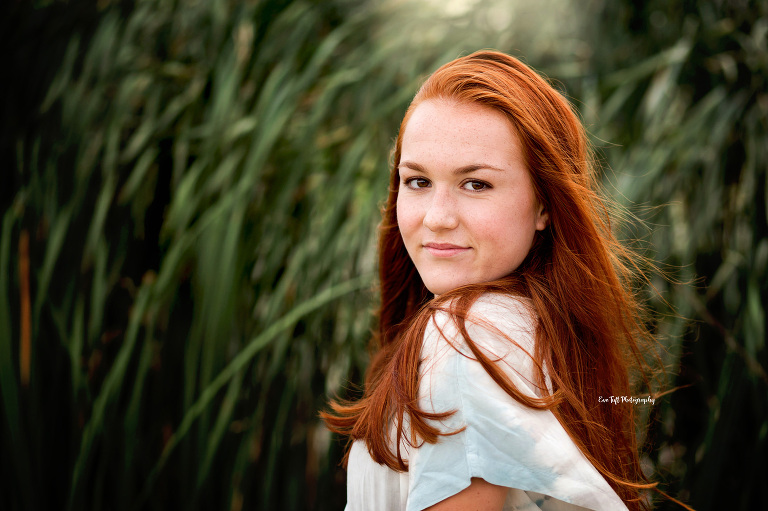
{"x": 438, "y": 288}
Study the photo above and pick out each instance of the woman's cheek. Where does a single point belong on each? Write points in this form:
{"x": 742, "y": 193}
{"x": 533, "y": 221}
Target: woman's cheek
{"x": 407, "y": 214}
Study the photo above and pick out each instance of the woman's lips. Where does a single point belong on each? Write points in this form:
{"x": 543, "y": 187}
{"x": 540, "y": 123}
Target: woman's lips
{"x": 444, "y": 249}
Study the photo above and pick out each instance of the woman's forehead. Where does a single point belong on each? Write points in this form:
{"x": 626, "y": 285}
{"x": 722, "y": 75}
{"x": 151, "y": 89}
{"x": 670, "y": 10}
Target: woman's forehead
{"x": 464, "y": 131}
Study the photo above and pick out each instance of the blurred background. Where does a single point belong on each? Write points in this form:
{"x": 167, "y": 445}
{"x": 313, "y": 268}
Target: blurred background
{"x": 189, "y": 197}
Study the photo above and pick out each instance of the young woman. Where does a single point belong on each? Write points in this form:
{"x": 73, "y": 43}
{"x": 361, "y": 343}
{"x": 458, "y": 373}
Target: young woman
{"x": 507, "y": 318}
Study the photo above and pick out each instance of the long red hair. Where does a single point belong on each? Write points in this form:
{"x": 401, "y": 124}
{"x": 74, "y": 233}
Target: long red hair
{"x": 579, "y": 278}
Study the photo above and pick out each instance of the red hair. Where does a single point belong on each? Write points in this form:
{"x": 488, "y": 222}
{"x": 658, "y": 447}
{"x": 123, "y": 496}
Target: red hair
{"x": 579, "y": 278}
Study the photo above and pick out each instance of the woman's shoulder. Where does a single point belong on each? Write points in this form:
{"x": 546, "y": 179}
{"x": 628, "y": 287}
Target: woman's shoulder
{"x": 500, "y": 325}
{"x": 504, "y": 309}
{"x": 491, "y": 316}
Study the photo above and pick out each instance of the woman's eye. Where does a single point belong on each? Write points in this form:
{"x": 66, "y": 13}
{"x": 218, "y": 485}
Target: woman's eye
{"x": 475, "y": 186}
{"x": 416, "y": 182}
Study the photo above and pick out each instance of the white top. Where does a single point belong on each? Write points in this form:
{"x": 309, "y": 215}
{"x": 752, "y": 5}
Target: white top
{"x": 505, "y": 442}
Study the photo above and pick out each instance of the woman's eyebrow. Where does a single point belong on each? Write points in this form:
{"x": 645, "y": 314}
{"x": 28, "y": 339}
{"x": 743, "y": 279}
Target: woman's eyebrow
{"x": 413, "y": 166}
{"x": 466, "y": 169}
{"x": 476, "y": 166}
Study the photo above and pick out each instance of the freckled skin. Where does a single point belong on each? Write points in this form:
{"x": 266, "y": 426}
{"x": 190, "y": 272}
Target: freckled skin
{"x": 466, "y": 206}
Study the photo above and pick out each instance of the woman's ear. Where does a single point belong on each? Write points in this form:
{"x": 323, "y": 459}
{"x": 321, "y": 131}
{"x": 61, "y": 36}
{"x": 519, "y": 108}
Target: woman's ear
{"x": 542, "y": 218}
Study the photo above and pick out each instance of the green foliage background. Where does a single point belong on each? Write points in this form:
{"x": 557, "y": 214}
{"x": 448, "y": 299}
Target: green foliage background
{"x": 188, "y": 227}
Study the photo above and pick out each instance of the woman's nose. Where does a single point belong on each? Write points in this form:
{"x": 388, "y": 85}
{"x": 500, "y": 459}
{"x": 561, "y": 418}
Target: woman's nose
{"x": 442, "y": 212}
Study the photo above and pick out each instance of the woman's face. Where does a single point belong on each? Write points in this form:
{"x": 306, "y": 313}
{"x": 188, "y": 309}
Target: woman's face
{"x": 466, "y": 207}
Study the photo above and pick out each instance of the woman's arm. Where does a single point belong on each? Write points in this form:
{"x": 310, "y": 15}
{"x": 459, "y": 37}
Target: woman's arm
{"x": 480, "y": 495}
